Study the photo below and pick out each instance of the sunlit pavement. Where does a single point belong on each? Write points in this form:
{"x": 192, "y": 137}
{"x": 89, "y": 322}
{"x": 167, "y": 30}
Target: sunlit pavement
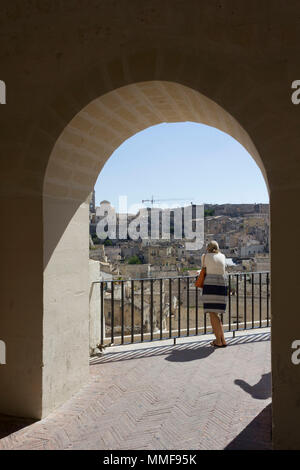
{"x": 160, "y": 396}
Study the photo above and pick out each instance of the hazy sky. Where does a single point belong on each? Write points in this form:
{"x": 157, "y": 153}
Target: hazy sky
{"x": 188, "y": 161}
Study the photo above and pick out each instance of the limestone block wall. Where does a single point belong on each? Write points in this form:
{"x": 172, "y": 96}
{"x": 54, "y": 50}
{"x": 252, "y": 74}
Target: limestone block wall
{"x": 66, "y": 302}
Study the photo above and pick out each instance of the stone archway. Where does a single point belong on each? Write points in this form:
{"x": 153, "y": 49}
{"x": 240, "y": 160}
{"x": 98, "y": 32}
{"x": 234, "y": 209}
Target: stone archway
{"x": 77, "y": 158}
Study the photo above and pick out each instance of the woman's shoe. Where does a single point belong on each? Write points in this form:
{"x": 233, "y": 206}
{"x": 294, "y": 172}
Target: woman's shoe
{"x": 217, "y": 346}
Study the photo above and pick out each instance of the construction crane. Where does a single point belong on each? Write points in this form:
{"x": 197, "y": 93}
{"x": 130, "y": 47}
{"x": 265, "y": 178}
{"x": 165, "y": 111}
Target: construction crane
{"x": 152, "y": 200}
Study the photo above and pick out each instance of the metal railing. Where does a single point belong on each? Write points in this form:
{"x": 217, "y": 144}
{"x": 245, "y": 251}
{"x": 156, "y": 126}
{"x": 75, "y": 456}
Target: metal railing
{"x": 151, "y": 309}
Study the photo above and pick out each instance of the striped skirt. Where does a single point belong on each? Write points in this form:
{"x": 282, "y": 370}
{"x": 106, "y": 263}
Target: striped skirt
{"x": 214, "y": 294}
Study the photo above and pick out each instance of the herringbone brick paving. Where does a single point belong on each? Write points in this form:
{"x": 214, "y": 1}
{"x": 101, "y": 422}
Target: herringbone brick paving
{"x": 188, "y": 396}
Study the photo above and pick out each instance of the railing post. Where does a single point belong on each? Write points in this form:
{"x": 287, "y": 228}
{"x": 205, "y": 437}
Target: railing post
{"x": 132, "y": 310}
{"x": 245, "y": 302}
{"x": 142, "y": 310}
{"x": 170, "y": 308}
{"x": 151, "y": 309}
{"x": 252, "y": 298}
{"x": 102, "y": 326}
{"x": 179, "y": 307}
{"x": 188, "y": 307}
{"x": 112, "y": 312}
{"x": 196, "y": 291}
{"x": 237, "y": 302}
{"x": 260, "y": 323}
{"x": 160, "y": 307}
{"x": 268, "y": 299}
{"x": 122, "y": 314}
{"x": 229, "y": 301}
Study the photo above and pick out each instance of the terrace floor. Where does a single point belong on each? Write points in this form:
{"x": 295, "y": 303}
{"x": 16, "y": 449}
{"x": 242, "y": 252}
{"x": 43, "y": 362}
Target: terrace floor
{"x": 160, "y": 396}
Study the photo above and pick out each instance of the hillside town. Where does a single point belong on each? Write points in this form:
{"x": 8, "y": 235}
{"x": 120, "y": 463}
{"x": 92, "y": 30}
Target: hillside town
{"x": 242, "y": 231}
{"x": 153, "y": 278}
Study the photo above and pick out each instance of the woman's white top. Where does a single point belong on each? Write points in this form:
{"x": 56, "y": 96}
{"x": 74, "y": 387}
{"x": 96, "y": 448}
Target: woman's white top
{"x": 214, "y": 262}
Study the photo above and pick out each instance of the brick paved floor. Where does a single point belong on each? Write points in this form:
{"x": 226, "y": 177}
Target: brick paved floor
{"x": 188, "y": 396}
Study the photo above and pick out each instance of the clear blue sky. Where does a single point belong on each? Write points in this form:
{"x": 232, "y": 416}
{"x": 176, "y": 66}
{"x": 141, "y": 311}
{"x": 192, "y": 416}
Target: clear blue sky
{"x": 183, "y": 160}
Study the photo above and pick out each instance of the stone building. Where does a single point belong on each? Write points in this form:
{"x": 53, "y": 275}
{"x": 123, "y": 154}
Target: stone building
{"x": 229, "y": 65}
{"x": 160, "y": 255}
{"x": 151, "y": 308}
{"x": 251, "y": 249}
{"x": 113, "y": 253}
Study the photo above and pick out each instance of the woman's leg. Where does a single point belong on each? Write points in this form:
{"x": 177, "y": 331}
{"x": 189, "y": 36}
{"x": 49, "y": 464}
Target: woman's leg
{"x": 217, "y": 329}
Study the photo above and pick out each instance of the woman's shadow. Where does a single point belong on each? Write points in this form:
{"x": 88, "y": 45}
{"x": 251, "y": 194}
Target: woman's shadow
{"x": 186, "y": 355}
{"x": 259, "y": 391}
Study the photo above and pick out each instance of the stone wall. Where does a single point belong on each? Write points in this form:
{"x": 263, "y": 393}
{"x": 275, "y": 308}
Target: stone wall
{"x": 79, "y": 82}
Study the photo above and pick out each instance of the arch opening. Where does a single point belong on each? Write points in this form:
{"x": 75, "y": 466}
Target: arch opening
{"x": 77, "y": 158}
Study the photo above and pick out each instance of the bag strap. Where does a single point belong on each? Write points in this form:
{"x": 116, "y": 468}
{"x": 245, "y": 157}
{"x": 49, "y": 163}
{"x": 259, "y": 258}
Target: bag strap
{"x": 203, "y": 266}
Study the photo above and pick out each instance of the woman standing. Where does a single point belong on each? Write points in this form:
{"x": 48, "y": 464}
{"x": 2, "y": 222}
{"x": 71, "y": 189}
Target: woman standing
{"x": 215, "y": 290}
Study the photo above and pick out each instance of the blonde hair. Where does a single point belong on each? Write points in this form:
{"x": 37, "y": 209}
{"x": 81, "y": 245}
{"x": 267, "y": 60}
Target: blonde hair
{"x": 213, "y": 247}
